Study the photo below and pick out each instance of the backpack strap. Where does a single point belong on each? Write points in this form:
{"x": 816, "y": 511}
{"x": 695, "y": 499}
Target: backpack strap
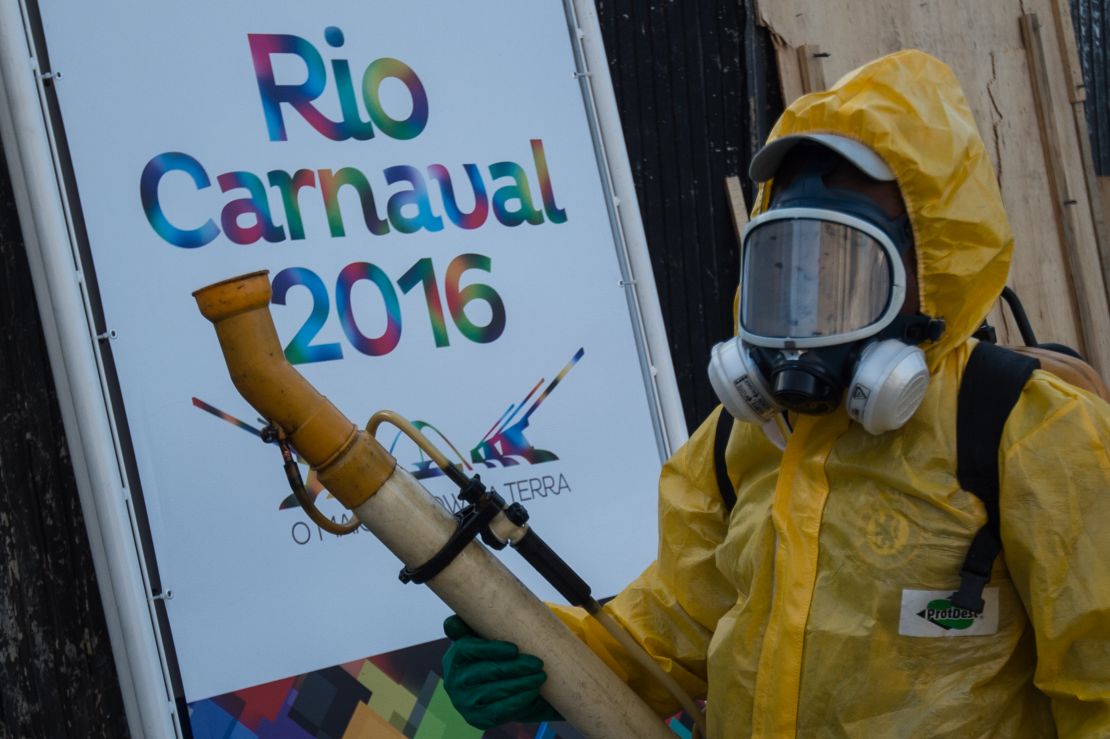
{"x": 720, "y": 441}
{"x": 992, "y": 383}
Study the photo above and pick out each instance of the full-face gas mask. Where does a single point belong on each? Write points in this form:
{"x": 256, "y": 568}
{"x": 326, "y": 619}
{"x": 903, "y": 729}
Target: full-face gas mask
{"x": 822, "y": 283}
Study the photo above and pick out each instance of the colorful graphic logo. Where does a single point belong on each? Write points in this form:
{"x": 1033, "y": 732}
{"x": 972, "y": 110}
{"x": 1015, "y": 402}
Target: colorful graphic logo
{"x": 503, "y": 445}
{"x": 942, "y": 613}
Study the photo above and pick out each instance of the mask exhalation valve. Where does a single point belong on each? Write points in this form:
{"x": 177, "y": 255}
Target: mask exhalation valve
{"x": 805, "y": 389}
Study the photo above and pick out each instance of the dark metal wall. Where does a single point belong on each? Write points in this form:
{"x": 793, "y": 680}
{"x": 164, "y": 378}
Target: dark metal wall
{"x": 57, "y": 677}
{"x": 698, "y": 91}
{"x": 1092, "y": 33}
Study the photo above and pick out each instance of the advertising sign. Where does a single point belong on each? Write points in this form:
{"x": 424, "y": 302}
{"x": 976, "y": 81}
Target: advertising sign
{"x": 423, "y": 183}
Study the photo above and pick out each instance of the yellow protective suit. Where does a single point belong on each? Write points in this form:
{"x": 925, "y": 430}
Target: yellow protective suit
{"x": 786, "y": 613}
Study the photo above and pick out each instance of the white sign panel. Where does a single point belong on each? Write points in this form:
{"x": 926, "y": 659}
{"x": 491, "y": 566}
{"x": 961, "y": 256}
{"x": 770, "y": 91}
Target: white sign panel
{"x": 421, "y": 181}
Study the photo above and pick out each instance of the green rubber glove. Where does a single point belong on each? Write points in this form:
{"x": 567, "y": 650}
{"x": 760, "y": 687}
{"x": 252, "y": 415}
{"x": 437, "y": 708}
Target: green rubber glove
{"x": 490, "y": 682}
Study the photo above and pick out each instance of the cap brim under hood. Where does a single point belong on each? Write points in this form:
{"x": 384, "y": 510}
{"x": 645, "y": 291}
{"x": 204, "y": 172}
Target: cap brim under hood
{"x": 909, "y": 109}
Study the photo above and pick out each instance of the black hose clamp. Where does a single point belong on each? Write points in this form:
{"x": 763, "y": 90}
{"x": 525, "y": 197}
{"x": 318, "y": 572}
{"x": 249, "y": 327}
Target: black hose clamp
{"x": 473, "y": 520}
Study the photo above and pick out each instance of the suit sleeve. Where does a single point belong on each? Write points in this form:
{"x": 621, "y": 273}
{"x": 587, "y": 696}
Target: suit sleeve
{"x": 1055, "y": 498}
{"x": 673, "y": 607}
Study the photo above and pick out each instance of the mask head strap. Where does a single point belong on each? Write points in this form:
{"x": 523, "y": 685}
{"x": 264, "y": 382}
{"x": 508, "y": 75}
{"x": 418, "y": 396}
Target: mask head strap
{"x": 914, "y": 330}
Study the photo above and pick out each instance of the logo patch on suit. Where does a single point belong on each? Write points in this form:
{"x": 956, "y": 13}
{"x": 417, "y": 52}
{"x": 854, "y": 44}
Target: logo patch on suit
{"x": 931, "y": 613}
{"x": 887, "y": 532}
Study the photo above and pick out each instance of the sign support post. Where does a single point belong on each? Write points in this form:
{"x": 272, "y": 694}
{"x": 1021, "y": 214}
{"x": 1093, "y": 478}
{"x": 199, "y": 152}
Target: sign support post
{"x": 78, "y": 376}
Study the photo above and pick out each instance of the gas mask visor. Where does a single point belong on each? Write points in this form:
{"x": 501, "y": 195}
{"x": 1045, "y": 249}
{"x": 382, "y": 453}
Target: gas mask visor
{"x": 812, "y": 277}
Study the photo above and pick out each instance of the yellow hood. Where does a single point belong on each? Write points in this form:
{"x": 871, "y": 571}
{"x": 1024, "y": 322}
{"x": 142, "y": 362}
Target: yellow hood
{"x": 908, "y": 107}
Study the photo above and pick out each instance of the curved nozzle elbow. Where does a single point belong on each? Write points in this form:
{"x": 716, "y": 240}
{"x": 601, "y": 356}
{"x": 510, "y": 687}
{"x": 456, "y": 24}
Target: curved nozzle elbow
{"x": 350, "y": 463}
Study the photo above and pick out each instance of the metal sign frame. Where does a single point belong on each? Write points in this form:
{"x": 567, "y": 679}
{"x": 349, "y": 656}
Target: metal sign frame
{"x": 80, "y": 356}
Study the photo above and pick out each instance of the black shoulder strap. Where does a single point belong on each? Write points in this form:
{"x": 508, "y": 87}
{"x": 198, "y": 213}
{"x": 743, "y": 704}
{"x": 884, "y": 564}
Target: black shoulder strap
{"x": 720, "y": 441}
{"x": 992, "y": 383}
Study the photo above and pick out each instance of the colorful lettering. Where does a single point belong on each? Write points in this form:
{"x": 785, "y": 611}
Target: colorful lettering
{"x": 300, "y": 96}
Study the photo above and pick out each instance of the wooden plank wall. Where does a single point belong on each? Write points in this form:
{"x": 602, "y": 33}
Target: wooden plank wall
{"x": 983, "y": 43}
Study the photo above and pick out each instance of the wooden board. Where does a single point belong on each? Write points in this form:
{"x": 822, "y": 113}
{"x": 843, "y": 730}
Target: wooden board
{"x": 790, "y": 72}
{"x": 1077, "y": 95}
{"x": 1069, "y": 51}
{"x": 1064, "y": 200}
{"x": 737, "y": 208}
{"x": 1099, "y": 218}
{"x": 1104, "y": 185}
{"x": 982, "y": 42}
{"x": 810, "y": 58}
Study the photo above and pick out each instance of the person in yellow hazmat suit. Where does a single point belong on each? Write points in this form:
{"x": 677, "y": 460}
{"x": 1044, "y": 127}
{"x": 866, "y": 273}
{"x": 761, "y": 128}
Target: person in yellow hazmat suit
{"x": 820, "y": 603}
